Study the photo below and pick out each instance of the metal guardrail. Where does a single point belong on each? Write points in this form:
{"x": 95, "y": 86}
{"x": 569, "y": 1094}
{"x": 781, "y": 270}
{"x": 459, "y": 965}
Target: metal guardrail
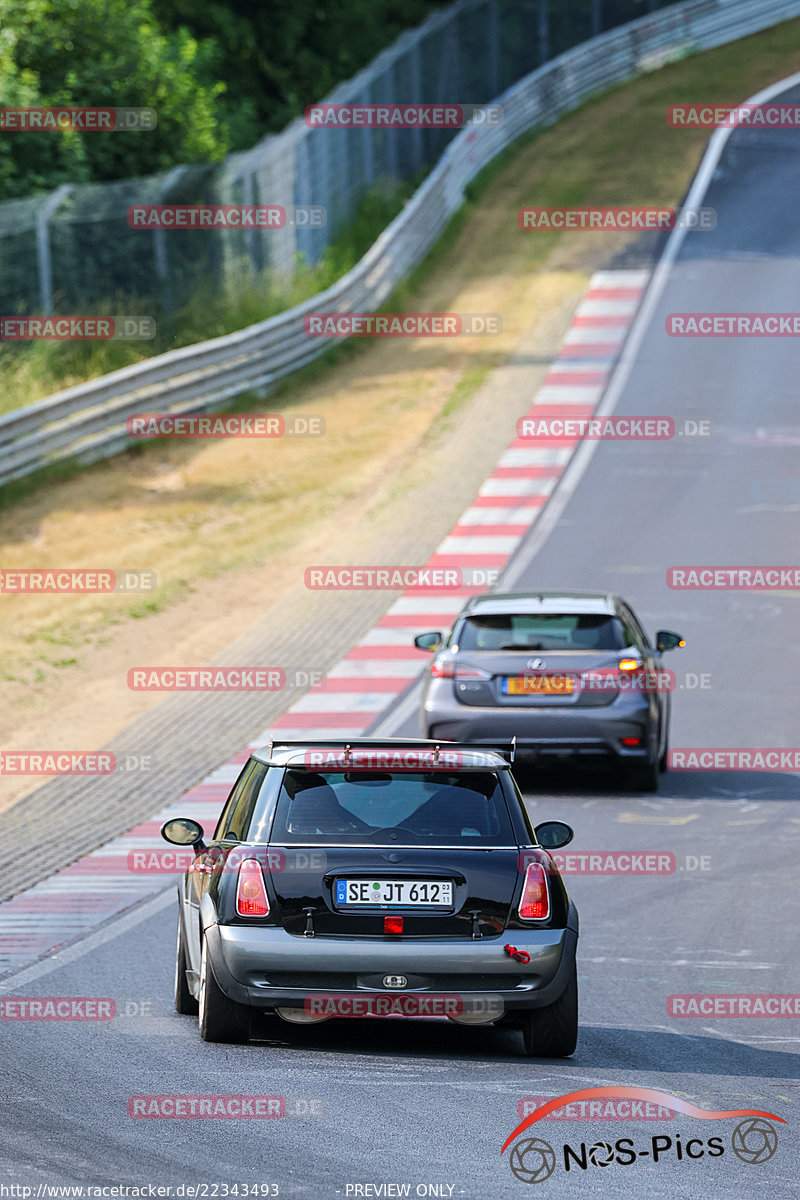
{"x": 87, "y": 422}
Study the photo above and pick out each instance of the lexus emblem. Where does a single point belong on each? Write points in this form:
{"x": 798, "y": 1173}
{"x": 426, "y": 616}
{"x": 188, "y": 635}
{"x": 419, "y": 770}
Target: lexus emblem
{"x": 394, "y": 981}
{"x": 536, "y": 664}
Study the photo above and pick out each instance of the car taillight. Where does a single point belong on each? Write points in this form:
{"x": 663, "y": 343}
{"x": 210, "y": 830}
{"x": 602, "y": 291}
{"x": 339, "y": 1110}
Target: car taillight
{"x": 534, "y": 903}
{"x": 631, "y": 741}
{"x": 447, "y": 668}
{"x": 392, "y": 924}
{"x": 251, "y": 893}
{"x": 472, "y": 673}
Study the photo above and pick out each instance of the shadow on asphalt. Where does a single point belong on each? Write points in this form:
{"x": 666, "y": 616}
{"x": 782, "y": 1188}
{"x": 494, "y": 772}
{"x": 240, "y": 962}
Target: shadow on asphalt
{"x": 601, "y": 782}
{"x": 610, "y": 1049}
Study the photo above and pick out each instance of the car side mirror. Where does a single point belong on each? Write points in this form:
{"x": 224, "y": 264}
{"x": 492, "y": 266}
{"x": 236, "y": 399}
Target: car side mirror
{"x": 552, "y": 835}
{"x": 666, "y": 640}
{"x": 183, "y": 831}
{"x": 428, "y": 641}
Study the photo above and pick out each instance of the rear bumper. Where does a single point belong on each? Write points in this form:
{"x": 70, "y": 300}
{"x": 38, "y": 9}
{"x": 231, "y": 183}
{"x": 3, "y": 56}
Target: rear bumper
{"x": 550, "y": 733}
{"x": 244, "y": 959}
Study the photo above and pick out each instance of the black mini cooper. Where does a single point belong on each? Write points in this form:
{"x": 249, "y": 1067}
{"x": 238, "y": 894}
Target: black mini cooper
{"x": 368, "y": 878}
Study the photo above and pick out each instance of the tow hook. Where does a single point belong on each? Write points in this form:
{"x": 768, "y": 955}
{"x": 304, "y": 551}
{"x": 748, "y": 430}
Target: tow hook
{"x": 309, "y": 931}
{"x": 521, "y": 955}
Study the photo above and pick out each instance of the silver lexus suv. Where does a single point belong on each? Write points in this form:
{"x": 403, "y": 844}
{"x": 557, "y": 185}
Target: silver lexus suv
{"x": 568, "y": 674}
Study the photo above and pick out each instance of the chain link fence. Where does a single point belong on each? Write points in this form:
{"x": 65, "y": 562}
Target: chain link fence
{"x": 72, "y": 250}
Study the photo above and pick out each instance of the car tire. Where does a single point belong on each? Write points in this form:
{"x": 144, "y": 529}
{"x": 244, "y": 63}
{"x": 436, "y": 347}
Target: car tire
{"x": 663, "y": 762}
{"x": 552, "y": 1031}
{"x": 185, "y": 1003}
{"x": 645, "y": 778}
{"x": 220, "y": 1019}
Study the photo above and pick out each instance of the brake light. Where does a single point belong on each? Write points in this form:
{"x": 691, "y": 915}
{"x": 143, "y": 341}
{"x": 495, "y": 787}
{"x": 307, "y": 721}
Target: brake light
{"x": 251, "y": 893}
{"x": 534, "y": 903}
{"x": 447, "y": 668}
{"x": 392, "y": 924}
{"x": 472, "y": 673}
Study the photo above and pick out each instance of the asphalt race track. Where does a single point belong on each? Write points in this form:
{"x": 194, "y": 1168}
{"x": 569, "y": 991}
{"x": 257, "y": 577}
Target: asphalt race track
{"x": 426, "y": 1105}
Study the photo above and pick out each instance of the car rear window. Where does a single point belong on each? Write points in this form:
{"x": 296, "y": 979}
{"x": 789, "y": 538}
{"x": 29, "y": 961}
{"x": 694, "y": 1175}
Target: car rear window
{"x": 542, "y": 631}
{"x": 379, "y": 808}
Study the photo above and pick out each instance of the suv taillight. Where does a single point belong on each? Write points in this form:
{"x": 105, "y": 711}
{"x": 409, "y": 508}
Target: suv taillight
{"x": 534, "y": 903}
{"x": 447, "y": 668}
{"x": 251, "y": 893}
{"x": 467, "y": 672}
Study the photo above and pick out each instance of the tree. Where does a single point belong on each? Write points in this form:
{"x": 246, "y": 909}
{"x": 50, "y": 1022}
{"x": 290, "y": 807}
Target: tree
{"x": 102, "y": 53}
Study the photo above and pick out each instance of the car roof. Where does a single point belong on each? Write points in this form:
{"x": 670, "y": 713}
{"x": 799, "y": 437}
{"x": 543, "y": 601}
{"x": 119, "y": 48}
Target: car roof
{"x": 492, "y": 603}
{"x": 378, "y": 753}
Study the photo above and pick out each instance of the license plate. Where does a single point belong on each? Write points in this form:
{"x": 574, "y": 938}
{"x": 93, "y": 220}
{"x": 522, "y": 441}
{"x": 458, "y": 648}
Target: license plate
{"x": 538, "y": 685}
{"x": 394, "y": 893}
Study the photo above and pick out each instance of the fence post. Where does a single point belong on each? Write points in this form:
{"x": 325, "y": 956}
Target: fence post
{"x": 249, "y": 198}
{"x": 160, "y": 256}
{"x": 493, "y": 41}
{"x": 43, "y": 259}
{"x": 544, "y": 31}
{"x": 416, "y": 94}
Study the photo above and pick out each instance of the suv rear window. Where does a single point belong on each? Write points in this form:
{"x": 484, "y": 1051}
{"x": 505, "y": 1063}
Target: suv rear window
{"x": 542, "y": 631}
{"x": 435, "y": 808}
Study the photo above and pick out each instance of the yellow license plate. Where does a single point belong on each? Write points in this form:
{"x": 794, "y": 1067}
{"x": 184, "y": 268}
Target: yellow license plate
{"x": 539, "y": 685}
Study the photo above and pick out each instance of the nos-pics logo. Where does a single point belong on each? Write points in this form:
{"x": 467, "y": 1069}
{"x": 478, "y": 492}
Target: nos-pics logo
{"x": 533, "y": 1160}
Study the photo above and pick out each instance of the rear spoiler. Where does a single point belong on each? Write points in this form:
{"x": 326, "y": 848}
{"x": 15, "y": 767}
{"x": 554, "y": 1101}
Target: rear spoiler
{"x": 505, "y": 748}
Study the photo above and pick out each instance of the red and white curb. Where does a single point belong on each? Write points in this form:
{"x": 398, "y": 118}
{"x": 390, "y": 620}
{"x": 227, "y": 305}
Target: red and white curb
{"x": 383, "y": 664}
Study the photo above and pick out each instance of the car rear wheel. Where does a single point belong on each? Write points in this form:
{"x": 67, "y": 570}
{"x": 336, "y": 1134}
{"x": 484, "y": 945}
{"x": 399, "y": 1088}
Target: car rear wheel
{"x": 644, "y": 778}
{"x": 220, "y": 1018}
{"x": 185, "y": 1002}
{"x": 663, "y": 762}
{"x": 552, "y": 1031}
